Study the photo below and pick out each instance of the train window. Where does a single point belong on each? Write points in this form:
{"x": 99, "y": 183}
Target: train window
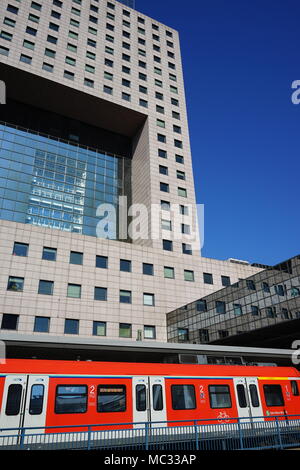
{"x": 13, "y": 401}
{"x": 157, "y": 395}
{"x": 36, "y": 399}
{"x": 219, "y": 396}
{"x": 241, "y": 396}
{"x": 183, "y": 397}
{"x": 295, "y": 389}
{"x": 71, "y": 399}
{"x": 254, "y": 396}
{"x": 273, "y": 395}
{"x": 140, "y": 393}
{"x": 111, "y": 398}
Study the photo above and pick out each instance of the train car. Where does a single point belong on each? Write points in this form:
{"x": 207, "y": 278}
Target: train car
{"x": 44, "y": 393}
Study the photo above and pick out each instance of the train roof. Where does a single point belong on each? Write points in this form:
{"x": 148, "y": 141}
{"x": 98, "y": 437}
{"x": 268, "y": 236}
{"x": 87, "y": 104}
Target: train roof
{"x": 85, "y": 368}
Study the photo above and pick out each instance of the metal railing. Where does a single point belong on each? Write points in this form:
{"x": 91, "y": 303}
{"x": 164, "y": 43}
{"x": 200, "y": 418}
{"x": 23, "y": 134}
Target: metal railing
{"x": 192, "y": 435}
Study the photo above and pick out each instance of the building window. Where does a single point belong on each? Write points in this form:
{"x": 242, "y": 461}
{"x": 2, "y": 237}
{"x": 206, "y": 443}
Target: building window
{"x": 182, "y": 192}
{"x": 169, "y": 273}
{"x": 187, "y": 249}
{"x": 41, "y": 324}
{"x": 279, "y": 290}
{"x": 149, "y": 300}
{"x": 167, "y": 245}
{"x": 250, "y": 284}
{"x": 162, "y": 153}
{"x": 164, "y": 187}
{"x": 20, "y": 249}
{"x": 46, "y": 287}
{"x": 125, "y": 296}
{"x": 220, "y": 307}
{"x": 265, "y": 287}
{"x": 99, "y": 328}
{"x": 254, "y": 310}
{"x": 49, "y": 254}
{"x": 225, "y": 281}
{"x": 148, "y": 269}
{"x": 166, "y": 225}
{"x": 183, "y": 334}
{"x": 76, "y": 257}
{"x": 237, "y": 309}
{"x": 149, "y": 332}
{"x": 125, "y": 265}
{"x": 100, "y": 293}
{"x": 203, "y": 336}
{"x": 270, "y": 312}
{"x": 101, "y": 262}
{"x": 189, "y": 275}
{"x": 208, "y": 278}
{"x": 71, "y": 327}
{"x": 15, "y": 284}
{"x": 125, "y": 330}
{"x": 107, "y": 90}
{"x": 74, "y": 291}
{"x": 9, "y": 321}
{"x": 201, "y": 305}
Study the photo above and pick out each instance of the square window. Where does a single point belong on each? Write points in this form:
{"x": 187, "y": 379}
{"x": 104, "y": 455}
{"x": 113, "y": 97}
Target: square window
{"x": 9, "y": 321}
{"x": 162, "y": 153}
{"x": 49, "y": 254}
{"x": 163, "y": 170}
{"x": 125, "y": 265}
{"x": 183, "y": 334}
{"x": 189, "y": 275}
{"x": 99, "y": 328}
{"x": 182, "y": 192}
{"x": 167, "y": 245}
{"x": 20, "y": 249}
{"x": 148, "y": 269}
{"x": 220, "y": 307}
{"x": 71, "y": 326}
{"x": 207, "y": 278}
{"x": 74, "y": 291}
{"x": 225, "y": 281}
{"x": 164, "y": 187}
{"x": 187, "y": 249}
{"x": 125, "y": 296}
{"x": 41, "y": 324}
{"x": 149, "y": 332}
{"x": 46, "y": 287}
{"x": 76, "y": 257}
{"x": 101, "y": 262}
{"x": 169, "y": 273}
{"x": 125, "y": 330}
{"x": 148, "y": 300}
{"x": 15, "y": 284}
{"x": 100, "y": 293}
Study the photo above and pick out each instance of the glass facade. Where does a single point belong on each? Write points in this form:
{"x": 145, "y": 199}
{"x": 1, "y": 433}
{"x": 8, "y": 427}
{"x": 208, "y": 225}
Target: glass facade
{"x": 253, "y": 312}
{"x": 47, "y": 182}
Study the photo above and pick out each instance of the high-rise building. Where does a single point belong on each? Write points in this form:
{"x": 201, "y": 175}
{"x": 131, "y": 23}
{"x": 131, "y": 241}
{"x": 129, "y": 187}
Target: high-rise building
{"x": 94, "y": 139}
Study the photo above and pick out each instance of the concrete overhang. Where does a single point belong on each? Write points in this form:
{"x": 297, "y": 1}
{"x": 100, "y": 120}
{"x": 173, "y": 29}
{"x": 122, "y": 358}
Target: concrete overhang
{"x": 119, "y": 346}
{"x": 80, "y": 105}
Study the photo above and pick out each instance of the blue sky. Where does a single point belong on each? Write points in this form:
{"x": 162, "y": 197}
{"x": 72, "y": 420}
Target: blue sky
{"x": 240, "y": 58}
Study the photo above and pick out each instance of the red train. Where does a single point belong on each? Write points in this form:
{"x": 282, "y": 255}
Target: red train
{"x": 38, "y": 393}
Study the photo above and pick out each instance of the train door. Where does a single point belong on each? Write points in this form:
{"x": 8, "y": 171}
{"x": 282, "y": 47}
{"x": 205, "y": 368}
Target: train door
{"x": 24, "y": 403}
{"x": 149, "y": 403}
{"x": 248, "y": 399}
